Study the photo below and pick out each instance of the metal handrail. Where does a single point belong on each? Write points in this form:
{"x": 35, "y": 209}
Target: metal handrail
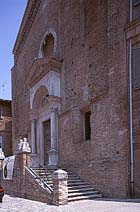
{"x": 39, "y": 166}
{"x": 37, "y": 176}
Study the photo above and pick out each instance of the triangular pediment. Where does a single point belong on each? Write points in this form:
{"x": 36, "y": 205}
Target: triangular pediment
{"x": 41, "y": 67}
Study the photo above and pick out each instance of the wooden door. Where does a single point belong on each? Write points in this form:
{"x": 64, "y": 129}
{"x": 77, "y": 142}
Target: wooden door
{"x": 47, "y": 140}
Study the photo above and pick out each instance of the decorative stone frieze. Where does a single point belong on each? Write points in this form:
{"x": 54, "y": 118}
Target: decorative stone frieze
{"x": 41, "y": 67}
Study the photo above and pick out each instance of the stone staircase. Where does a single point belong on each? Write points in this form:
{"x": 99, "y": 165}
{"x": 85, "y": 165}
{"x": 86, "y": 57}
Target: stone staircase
{"x": 77, "y": 188}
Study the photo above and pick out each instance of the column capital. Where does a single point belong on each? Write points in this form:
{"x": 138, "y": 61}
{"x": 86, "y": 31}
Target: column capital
{"x": 54, "y": 109}
{"x": 33, "y": 115}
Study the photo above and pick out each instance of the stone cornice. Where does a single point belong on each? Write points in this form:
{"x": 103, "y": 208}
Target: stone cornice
{"x": 41, "y": 67}
{"x": 27, "y": 21}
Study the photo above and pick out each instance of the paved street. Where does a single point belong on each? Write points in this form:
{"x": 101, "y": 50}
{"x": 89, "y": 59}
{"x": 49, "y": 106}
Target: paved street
{"x": 14, "y": 204}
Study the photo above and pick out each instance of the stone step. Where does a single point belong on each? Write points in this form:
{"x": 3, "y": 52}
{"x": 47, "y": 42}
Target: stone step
{"x": 48, "y": 181}
{"x": 91, "y": 196}
{"x": 79, "y": 186}
{"x": 74, "y": 187}
{"x": 70, "y": 182}
{"x": 42, "y": 172}
{"x": 74, "y": 180}
{"x": 45, "y": 177}
{"x": 84, "y": 193}
{"x": 81, "y": 189}
{"x": 39, "y": 169}
{"x": 73, "y": 177}
{"x": 77, "y": 183}
{"x": 49, "y": 176}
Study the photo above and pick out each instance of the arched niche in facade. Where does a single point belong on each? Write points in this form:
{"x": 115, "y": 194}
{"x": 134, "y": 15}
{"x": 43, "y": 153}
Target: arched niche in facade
{"x": 40, "y": 97}
{"x": 48, "y": 46}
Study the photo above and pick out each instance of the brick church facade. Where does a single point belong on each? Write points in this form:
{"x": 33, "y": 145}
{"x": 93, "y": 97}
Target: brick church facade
{"x": 75, "y": 90}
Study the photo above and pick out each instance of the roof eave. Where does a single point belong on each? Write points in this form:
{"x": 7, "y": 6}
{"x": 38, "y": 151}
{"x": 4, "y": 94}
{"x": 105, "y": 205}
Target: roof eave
{"x": 21, "y": 28}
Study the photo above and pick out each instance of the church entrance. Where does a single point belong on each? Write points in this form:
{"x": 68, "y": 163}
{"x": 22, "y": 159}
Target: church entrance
{"x": 45, "y": 102}
{"x": 47, "y": 140}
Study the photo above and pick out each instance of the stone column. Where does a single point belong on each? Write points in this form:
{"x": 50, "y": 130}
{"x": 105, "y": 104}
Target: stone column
{"x": 33, "y": 137}
{"x": 53, "y": 129}
{"x": 53, "y": 157}
{"x": 60, "y": 188}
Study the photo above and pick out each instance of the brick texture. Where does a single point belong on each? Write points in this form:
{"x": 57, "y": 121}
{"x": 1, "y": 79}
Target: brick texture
{"x": 23, "y": 183}
{"x": 6, "y": 126}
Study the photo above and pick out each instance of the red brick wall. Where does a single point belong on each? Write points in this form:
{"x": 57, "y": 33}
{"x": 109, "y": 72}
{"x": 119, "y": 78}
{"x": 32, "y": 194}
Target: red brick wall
{"x": 136, "y": 140}
{"x": 23, "y": 183}
{"x": 6, "y": 127}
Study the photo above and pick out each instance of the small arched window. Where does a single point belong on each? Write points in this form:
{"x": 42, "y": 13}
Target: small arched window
{"x": 48, "y": 46}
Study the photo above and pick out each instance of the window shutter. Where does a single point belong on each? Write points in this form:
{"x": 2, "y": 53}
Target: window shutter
{"x": 136, "y": 67}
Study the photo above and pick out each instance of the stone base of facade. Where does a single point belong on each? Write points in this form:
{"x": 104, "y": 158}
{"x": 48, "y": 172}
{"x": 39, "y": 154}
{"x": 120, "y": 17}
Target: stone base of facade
{"x": 109, "y": 177}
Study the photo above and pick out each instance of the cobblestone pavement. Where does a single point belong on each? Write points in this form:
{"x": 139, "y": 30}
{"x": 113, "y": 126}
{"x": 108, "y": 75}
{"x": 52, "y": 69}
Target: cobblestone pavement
{"x": 15, "y": 204}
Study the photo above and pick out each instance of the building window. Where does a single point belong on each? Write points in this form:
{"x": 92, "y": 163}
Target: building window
{"x": 48, "y": 46}
{"x": 136, "y": 67}
{"x": 1, "y": 142}
{"x": 87, "y": 126}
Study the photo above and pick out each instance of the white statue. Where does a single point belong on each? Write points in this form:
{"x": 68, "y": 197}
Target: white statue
{"x": 23, "y": 145}
{"x": 26, "y": 147}
{"x": 20, "y": 145}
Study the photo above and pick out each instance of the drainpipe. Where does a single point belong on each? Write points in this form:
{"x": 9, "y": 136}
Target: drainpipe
{"x": 131, "y": 113}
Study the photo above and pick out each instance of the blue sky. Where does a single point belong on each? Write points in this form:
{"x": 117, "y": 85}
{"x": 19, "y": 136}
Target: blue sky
{"x": 11, "y": 13}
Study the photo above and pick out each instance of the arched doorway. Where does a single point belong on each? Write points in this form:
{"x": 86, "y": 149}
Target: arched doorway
{"x": 41, "y": 131}
{"x": 45, "y": 102}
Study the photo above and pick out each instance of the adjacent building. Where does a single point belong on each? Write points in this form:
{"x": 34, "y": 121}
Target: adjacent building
{"x": 6, "y": 127}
